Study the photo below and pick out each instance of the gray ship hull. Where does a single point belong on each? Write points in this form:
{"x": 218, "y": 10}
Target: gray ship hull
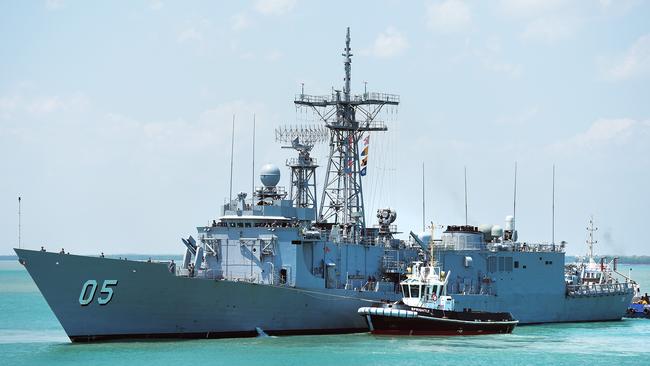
{"x": 533, "y": 290}
{"x": 544, "y": 308}
{"x": 150, "y": 302}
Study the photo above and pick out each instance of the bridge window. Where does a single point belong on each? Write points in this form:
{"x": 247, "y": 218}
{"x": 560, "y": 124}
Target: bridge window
{"x": 415, "y": 291}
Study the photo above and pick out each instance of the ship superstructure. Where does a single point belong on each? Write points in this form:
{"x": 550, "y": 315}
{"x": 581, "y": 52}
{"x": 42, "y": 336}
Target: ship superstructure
{"x": 285, "y": 263}
{"x": 492, "y": 271}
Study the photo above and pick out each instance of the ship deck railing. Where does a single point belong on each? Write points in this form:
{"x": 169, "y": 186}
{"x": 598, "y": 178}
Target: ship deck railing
{"x": 599, "y": 289}
{"x": 365, "y": 98}
{"x": 391, "y": 265}
{"x": 501, "y": 247}
{"x": 526, "y": 247}
{"x": 439, "y": 245}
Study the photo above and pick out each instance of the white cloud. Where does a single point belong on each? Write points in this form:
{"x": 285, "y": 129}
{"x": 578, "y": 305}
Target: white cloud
{"x": 547, "y": 21}
{"x": 189, "y": 34}
{"x": 388, "y": 43}
{"x": 604, "y": 132}
{"x": 274, "y": 7}
{"x": 531, "y": 8}
{"x": 448, "y": 16}
{"x": 40, "y": 105}
{"x": 273, "y": 55}
{"x": 7, "y": 106}
{"x": 635, "y": 63}
{"x": 520, "y": 118}
{"x": 8, "y": 103}
{"x": 155, "y": 4}
{"x": 240, "y": 21}
{"x": 490, "y": 56}
{"x": 54, "y": 4}
{"x": 550, "y": 29}
{"x": 46, "y": 105}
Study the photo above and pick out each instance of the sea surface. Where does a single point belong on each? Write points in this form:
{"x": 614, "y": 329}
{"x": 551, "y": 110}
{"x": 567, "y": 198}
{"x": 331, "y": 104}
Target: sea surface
{"x": 31, "y": 335}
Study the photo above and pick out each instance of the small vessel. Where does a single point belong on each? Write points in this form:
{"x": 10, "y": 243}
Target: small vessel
{"x": 639, "y": 308}
{"x": 426, "y": 309}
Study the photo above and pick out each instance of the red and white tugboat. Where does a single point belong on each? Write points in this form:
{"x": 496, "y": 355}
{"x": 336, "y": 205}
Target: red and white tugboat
{"x": 426, "y": 309}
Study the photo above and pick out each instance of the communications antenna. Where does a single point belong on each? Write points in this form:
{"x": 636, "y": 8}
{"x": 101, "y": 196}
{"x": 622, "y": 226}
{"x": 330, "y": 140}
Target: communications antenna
{"x": 303, "y": 168}
{"x": 347, "y": 117}
{"x": 591, "y": 229}
{"x": 19, "y": 225}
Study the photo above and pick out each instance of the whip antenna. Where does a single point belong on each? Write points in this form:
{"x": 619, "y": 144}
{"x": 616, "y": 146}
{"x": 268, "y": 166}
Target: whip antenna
{"x": 514, "y": 199}
{"x": 232, "y": 151}
{"x": 19, "y": 224}
{"x": 553, "y": 210}
{"x": 423, "y": 211}
{"x": 253, "y": 177}
{"x": 465, "y": 195}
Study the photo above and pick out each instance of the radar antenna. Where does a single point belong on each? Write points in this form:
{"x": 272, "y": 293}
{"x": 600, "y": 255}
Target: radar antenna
{"x": 303, "y": 168}
{"x": 347, "y": 117}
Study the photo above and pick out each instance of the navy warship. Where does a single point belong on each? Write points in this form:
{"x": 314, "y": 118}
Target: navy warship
{"x": 282, "y": 263}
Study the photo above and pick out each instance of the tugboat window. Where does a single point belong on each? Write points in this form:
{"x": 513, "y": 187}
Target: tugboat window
{"x": 415, "y": 291}
{"x": 405, "y": 290}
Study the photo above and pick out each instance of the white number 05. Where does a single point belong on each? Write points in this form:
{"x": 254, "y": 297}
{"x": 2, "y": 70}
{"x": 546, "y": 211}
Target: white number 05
{"x": 88, "y": 292}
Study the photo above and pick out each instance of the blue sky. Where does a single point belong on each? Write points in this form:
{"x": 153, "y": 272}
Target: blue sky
{"x": 115, "y": 116}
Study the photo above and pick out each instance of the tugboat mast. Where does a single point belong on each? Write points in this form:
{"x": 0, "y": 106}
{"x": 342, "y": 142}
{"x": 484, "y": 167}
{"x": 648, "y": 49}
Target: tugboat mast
{"x": 342, "y": 196}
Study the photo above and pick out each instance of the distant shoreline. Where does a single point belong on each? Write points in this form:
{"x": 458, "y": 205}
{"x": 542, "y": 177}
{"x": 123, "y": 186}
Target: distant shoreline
{"x": 623, "y": 259}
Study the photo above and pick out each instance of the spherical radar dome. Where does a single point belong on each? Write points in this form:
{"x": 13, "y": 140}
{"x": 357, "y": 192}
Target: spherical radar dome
{"x": 270, "y": 175}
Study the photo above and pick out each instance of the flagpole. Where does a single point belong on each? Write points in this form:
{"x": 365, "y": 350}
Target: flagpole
{"x": 19, "y": 225}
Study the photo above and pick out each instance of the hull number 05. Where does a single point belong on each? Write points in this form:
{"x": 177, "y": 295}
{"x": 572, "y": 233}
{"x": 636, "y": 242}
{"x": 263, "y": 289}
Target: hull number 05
{"x": 90, "y": 287}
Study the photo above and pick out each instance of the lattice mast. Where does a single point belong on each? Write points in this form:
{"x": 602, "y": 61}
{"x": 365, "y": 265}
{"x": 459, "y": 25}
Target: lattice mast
{"x": 303, "y": 168}
{"x": 342, "y": 195}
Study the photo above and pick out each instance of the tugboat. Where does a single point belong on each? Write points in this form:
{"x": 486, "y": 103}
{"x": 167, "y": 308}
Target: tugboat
{"x": 426, "y": 309}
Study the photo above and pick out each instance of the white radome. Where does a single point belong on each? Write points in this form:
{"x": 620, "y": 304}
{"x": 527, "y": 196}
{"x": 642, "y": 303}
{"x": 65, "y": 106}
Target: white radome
{"x": 270, "y": 175}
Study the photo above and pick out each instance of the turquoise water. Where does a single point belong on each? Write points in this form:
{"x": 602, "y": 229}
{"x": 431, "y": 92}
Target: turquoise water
{"x": 31, "y": 335}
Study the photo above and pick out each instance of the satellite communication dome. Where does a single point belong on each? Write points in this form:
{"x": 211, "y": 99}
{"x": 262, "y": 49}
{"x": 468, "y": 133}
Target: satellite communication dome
{"x": 497, "y": 231}
{"x": 270, "y": 175}
{"x": 486, "y": 229}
